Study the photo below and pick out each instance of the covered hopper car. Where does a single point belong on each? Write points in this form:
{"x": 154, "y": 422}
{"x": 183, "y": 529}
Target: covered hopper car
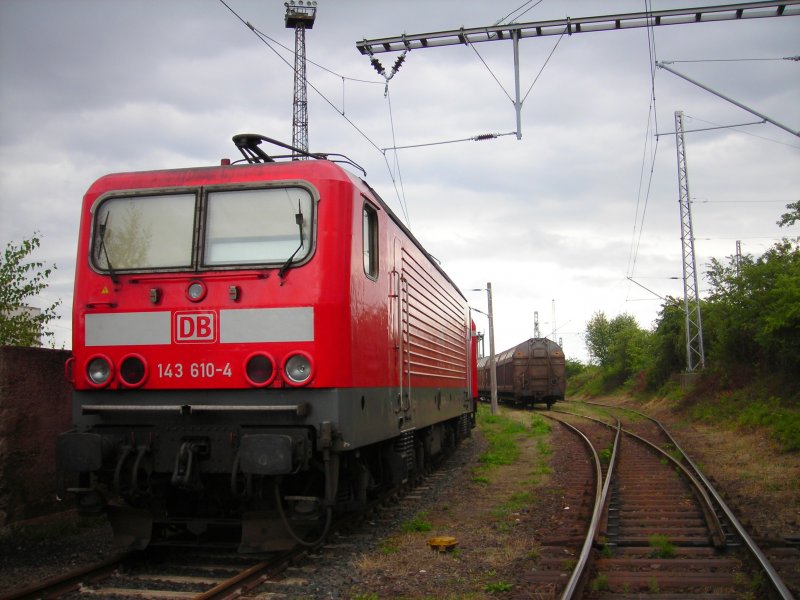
{"x": 529, "y": 373}
{"x": 255, "y": 346}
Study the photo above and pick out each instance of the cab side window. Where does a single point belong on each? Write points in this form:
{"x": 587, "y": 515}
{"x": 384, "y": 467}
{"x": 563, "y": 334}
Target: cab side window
{"x": 370, "y": 240}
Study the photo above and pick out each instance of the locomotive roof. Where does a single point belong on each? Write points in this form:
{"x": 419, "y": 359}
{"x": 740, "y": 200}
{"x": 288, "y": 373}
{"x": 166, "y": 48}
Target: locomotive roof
{"x": 245, "y": 173}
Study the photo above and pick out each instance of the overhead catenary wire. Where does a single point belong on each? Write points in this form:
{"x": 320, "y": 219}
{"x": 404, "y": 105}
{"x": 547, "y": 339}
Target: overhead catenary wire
{"x": 652, "y": 119}
{"x": 476, "y": 138}
{"x": 739, "y": 202}
{"x": 705, "y": 60}
{"x": 736, "y": 129}
{"x": 313, "y": 87}
{"x": 502, "y": 21}
{"x": 290, "y": 50}
{"x": 663, "y": 65}
{"x": 266, "y": 41}
{"x": 400, "y": 193}
{"x": 535, "y": 79}
{"x": 547, "y": 60}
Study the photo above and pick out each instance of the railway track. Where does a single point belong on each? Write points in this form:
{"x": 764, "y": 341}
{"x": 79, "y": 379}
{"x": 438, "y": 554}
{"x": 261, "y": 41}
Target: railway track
{"x": 167, "y": 573}
{"x": 657, "y": 526}
{"x": 203, "y": 573}
{"x": 618, "y": 560}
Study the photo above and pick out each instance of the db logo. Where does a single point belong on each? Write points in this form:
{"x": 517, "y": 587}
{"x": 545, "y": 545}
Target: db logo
{"x": 194, "y": 327}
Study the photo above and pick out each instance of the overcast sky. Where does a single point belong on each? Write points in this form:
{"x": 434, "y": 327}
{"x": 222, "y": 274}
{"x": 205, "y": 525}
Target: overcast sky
{"x": 556, "y": 221}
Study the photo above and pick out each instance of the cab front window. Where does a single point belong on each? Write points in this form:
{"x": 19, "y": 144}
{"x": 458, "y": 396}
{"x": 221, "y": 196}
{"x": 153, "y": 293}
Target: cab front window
{"x": 257, "y": 226}
{"x": 144, "y": 232}
{"x": 165, "y": 232}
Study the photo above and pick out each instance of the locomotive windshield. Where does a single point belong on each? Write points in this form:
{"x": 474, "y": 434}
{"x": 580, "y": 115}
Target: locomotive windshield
{"x": 268, "y": 226}
{"x": 257, "y": 226}
{"x": 144, "y": 232}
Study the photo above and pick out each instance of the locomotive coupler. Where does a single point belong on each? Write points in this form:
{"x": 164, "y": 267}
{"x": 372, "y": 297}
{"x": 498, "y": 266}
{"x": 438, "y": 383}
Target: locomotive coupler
{"x": 184, "y": 475}
{"x": 127, "y": 450}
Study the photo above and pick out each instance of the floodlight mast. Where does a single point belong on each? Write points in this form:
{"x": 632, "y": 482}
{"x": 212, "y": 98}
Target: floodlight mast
{"x": 300, "y": 15}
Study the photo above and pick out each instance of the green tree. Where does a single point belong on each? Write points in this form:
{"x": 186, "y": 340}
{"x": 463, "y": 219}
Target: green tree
{"x": 20, "y": 281}
{"x": 573, "y": 367}
{"x": 791, "y": 217}
{"x": 619, "y": 346}
{"x": 753, "y": 312}
{"x": 598, "y": 338}
{"x": 669, "y": 343}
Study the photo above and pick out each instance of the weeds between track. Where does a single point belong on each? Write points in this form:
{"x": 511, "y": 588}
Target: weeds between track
{"x": 490, "y": 506}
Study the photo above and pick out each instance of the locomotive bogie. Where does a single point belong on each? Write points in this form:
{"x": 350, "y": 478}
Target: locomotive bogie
{"x": 254, "y": 339}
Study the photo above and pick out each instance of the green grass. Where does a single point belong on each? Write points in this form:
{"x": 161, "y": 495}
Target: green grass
{"x": 539, "y": 425}
{"x": 516, "y": 503}
{"x": 502, "y": 434}
{"x": 745, "y": 410}
{"x": 600, "y": 583}
{"x": 418, "y": 524}
{"x": 494, "y": 587}
{"x": 661, "y": 547}
{"x": 389, "y": 547}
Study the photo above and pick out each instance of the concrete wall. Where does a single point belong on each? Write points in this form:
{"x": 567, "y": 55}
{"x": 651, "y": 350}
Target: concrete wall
{"x": 34, "y": 408}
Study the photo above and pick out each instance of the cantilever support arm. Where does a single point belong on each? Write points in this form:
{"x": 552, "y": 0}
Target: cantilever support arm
{"x": 662, "y": 65}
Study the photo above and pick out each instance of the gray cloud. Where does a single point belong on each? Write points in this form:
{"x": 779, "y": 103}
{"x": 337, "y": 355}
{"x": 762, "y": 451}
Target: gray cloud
{"x": 89, "y": 87}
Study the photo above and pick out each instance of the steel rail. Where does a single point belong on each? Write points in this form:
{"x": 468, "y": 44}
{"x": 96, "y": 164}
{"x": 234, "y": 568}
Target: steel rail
{"x": 250, "y": 578}
{"x": 774, "y": 578}
{"x": 66, "y": 583}
{"x": 717, "y": 535}
{"x": 601, "y": 496}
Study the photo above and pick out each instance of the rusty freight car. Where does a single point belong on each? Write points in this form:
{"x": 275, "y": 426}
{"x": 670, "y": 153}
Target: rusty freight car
{"x": 529, "y": 373}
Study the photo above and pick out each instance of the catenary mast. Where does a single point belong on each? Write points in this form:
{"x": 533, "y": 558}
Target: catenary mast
{"x": 695, "y": 355}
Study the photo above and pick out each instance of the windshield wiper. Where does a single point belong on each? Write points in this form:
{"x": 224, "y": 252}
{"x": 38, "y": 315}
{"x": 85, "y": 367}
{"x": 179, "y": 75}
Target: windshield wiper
{"x": 104, "y": 250}
{"x": 298, "y": 217}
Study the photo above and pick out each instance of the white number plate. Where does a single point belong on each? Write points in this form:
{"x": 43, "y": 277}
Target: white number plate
{"x": 205, "y": 370}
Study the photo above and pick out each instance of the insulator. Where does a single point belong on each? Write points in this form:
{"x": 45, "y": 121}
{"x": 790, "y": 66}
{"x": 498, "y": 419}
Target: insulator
{"x": 398, "y": 62}
{"x": 376, "y": 64}
{"x": 485, "y": 136}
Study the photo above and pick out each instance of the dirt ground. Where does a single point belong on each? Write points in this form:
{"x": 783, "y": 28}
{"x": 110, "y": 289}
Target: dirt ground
{"x": 495, "y": 555}
{"x": 496, "y": 519}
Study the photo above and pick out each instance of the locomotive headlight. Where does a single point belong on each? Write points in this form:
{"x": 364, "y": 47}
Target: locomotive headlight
{"x": 196, "y": 291}
{"x": 133, "y": 370}
{"x": 99, "y": 371}
{"x": 298, "y": 368}
{"x": 259, "y": 369}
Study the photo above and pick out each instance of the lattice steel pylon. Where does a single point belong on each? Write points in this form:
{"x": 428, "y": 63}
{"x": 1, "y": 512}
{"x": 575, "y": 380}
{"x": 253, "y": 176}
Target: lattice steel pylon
{"x": 695, "y": 355}
{"x": 300, "y": 16}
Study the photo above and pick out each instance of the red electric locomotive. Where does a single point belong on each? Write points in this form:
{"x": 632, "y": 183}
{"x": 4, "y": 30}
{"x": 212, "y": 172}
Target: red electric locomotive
{"x": 255, "y": 345}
